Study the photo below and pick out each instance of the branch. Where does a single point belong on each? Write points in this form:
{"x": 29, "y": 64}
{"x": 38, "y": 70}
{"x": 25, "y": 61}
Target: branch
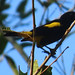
{"x": 54, "y": 60}
{"x": 32, "y": 52}
{"x": 66, "y": 33}
{"x": 60, "y": 42}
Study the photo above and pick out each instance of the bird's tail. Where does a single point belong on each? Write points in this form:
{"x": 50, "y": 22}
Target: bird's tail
{"x": 27, "y": 36}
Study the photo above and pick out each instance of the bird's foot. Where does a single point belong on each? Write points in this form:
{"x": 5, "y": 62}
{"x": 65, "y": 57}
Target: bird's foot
{"x": 51, "y": 51}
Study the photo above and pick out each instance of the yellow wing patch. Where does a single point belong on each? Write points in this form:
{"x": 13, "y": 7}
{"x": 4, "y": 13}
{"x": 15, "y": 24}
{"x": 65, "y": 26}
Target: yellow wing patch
{"x": 54, "y": 24}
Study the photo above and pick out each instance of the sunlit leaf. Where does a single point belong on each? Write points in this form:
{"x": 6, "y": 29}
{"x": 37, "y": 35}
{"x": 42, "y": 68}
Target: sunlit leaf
{"x": 12, "y": 64}
{"x": 35, "y": 67}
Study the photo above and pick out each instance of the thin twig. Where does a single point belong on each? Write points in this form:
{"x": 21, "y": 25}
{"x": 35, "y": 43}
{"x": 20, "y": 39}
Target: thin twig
{"x": 73, "y": 66}
{"x": 60, "y": 73}
{"x": 54, "y": 60}
{"x": 62, "y": 59}
{"x": 60, "y": 42}
{"x": 32, "y": 52}
{"x": 43, "y": 16}
{"x": 66, "y": 33}
{"x": 60, "y": 67}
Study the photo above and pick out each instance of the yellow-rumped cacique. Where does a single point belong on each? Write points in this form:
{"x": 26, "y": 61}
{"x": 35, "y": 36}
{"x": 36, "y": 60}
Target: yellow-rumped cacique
{"x": 48, "y": 33}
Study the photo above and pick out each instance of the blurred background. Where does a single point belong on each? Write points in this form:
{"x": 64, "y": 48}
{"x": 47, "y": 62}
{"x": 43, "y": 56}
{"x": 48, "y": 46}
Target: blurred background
{"x": 17, "y": 15}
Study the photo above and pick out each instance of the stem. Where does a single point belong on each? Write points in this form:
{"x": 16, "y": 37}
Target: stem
{"x": 54, "y": 60}
{"x": 32, "y": 52}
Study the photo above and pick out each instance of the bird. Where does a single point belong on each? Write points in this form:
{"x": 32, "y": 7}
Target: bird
{"x": 47, "y": 33}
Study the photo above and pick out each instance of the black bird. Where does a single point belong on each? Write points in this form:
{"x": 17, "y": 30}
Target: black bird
{"x": 48, "y": 33}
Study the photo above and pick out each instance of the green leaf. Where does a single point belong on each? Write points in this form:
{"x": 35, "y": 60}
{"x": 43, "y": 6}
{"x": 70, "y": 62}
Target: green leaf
{"x": 2, "y": 17}
{"x": 21, "y": 73}
{"x": 35, "y": 67}
{"x": 21, "y": 7}
{"x": 24, "y": 15}
{"x": 52, "y": 1}
{"x": 6, "y": 6}
{"x": 2, "y": 2}
{"x": 3, "y": 5}
{"x": 5, "y": 28}
{"x": 3, "y": 43}
{"x": 26, "y": 44}
{"x": 28, "y": 13}
{"x": 12, "y": 64}
{"x": 46, "y": 3}
{"x": 48, "y": 71}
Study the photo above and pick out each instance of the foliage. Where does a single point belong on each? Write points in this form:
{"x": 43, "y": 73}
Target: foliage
{"x": 3, "y": 42}
{"x": 12, "y": 64}
{"x": 35, "y": 67}
{"x": 21, "y": 73}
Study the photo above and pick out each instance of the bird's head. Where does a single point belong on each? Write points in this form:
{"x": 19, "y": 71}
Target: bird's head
{"x": 67, "y": 18}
